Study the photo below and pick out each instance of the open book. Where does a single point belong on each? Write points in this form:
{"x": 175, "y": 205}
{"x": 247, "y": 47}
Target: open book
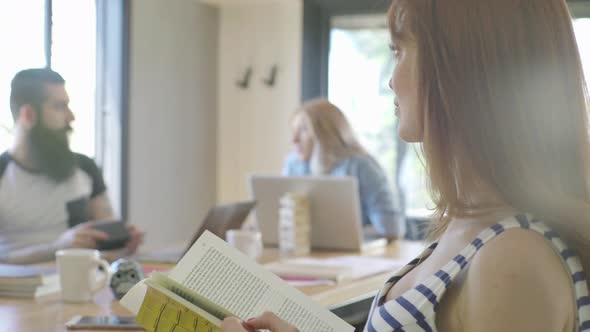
{"x": 213, "y": 281}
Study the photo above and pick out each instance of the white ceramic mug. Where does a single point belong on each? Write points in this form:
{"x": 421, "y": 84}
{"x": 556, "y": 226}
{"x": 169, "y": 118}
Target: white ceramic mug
{"x": 78, "y": 270}
{"x": 247, "y": 241}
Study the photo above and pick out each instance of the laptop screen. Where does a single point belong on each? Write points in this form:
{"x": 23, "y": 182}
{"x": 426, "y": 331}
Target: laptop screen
{"x": 222, "y": 218}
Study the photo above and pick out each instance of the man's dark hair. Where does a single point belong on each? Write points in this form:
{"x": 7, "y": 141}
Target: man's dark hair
{"x": 28, "y": 87}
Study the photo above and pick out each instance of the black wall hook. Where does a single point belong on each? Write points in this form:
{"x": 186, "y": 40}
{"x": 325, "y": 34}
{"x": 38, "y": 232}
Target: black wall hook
{"x": 245, "y": 81}
{"x": 271, "y": 80}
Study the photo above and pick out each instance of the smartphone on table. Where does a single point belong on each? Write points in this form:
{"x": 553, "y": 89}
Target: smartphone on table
{"x": 103, "y": 323}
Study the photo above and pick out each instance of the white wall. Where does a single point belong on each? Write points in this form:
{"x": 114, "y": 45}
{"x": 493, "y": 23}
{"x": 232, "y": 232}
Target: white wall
{"x": 194, "y": 137}
{"x": 172, "y": 117}
{"x": 253, "y": 131}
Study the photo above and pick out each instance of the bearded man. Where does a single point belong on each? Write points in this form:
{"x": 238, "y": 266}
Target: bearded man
{"x": 50, "y": 197}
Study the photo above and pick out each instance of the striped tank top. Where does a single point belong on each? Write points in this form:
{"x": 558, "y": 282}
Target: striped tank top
{"x": 415, "y": 310}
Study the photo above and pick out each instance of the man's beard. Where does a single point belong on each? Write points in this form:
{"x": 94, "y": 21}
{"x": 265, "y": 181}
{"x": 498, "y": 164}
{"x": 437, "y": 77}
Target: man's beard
{"x": 50, "y": 152}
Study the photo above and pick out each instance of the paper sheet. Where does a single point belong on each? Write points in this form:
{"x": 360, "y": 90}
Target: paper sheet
{"x": 334, "y": 268}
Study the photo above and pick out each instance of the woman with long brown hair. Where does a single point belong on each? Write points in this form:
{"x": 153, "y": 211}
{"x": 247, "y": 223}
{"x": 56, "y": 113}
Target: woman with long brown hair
{"x": 494, "y": 91}
{"x": 325, "y": 144}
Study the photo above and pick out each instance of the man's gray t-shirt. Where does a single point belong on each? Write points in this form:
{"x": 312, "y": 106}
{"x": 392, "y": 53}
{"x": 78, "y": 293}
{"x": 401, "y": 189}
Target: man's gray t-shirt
{"x": 35, "y": 209}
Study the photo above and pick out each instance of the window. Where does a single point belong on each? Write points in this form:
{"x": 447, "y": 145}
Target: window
{"x": 358, "y": 49}
{"x": 582, "y": 30}
{"x": 73, "y": 53}
{"x": 23, "y": 46}
{"x": 86, "y": 42}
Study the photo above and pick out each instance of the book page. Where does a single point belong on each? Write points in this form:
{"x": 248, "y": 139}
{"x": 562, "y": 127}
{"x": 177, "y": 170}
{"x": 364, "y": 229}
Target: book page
{"x": 231, "y": 280}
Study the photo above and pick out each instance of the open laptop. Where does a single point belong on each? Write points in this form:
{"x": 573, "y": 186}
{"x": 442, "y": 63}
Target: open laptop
{"x": 334, "y": 210}
{"x": 219, "y": 219}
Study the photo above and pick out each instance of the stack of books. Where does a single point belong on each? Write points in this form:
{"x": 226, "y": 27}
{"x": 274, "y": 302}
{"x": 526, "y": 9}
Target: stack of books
{"x": 27, "y": 281}
{"x": 294, "y": 224}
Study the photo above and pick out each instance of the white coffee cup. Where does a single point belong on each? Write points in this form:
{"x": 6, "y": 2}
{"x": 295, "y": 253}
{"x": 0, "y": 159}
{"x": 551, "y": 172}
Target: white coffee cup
{"x": 247, "y": 241}
{"x": 78, "y": 269}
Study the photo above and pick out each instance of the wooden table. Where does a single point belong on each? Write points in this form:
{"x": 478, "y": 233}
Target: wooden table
{"x": 50, "y": 313}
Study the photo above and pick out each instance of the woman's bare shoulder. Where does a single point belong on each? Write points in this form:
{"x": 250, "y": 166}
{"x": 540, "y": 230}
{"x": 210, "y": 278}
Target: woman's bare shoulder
{"x": 517, "y": 282}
